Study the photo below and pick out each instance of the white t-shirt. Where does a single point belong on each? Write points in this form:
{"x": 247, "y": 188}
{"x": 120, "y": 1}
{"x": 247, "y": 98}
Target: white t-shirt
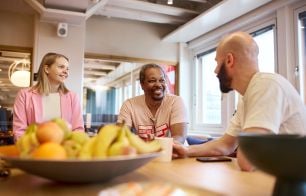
{"x": 270, "y": 102}
{"x": 51, "y": 106}
{"x": 136, "y": 114}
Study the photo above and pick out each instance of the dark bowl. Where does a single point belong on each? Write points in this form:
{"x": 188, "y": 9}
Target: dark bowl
{"x": 283, "y": 156}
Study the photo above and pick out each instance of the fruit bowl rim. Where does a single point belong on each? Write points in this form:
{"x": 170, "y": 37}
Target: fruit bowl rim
{"x": 112, "y": 158}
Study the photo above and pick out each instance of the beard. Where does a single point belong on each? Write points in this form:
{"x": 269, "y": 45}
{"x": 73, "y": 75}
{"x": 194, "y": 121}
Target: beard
{"x": 224, "y": 79}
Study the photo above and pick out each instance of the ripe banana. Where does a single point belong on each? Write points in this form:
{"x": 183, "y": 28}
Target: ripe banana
{"x": 79, "y": 137}
{"x": 121, "y": 145}
{"x": 87, "y": 150}
{"x": 142, "y": 146}
{"x": 72, "y": 148}
{"x": 105, "y": 138}
{"x": 64, "y": 126}
{"x": 24, "y": 146}
{"x": 74, "y": 143}
{"x": 33, "y": 139}
{"x": 27, "y": 143}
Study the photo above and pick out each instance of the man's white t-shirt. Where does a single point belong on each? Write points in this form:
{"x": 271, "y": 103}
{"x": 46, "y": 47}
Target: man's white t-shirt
{"x": 51, "y": 106}
{"x": 269, "y": 102}
{"x": 135, "y": 113}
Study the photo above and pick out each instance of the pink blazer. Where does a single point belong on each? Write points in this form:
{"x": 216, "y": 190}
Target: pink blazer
{"x": 28, "y": 109}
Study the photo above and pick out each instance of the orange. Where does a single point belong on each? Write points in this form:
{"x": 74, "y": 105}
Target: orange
{"x": 50, "y": 150}
{"x": 9, "y": 150}
{"x": 49, "y": 132}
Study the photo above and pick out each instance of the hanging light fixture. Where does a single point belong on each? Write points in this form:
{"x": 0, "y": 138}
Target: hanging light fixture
{"x": 170, "y": 2}
{"x": 19, "y": 73}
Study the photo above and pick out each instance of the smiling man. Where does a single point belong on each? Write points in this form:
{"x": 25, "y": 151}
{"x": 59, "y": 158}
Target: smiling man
{"x": 156, "y": 113}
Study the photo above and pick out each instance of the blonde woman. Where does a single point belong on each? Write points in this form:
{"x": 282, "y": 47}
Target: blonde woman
{"x": 48, "y": 98}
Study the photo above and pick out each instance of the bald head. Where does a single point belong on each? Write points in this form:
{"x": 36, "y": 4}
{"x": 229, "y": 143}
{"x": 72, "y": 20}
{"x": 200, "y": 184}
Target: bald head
{"x": 242, "y": 46}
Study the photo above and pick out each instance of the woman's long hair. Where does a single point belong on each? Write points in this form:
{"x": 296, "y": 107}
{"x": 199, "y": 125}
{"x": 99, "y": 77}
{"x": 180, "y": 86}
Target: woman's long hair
{"x": 43, "y": 86}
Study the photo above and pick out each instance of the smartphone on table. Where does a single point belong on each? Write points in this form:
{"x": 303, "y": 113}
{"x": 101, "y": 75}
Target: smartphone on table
{"x": 214, "y": 159}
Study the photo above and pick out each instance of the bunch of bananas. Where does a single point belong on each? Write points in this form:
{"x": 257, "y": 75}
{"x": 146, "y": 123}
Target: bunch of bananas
{"x": 112, "y": 140}
{"x": 28, "y": 142}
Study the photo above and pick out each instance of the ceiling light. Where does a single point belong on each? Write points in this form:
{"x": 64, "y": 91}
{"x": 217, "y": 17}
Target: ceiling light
{"x": 19, "y": 73}
{"x": 170, "y": 2}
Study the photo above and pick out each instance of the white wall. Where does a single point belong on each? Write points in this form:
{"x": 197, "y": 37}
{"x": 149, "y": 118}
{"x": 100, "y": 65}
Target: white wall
{"x": 24, "y": 30}
{"x": 129, "y": 38}
{"x": 98, "y": 34}
{"x": 72, "y": 46}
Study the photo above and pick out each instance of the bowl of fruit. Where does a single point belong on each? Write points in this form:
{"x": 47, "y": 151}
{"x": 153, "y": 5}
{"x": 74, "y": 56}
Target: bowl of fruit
{"x": 51, "y": 150}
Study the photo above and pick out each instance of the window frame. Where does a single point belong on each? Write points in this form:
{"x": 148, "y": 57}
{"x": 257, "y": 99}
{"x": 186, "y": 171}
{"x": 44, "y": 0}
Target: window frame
{"x": 297, "y": 10}
{"x": 227, "y": 100}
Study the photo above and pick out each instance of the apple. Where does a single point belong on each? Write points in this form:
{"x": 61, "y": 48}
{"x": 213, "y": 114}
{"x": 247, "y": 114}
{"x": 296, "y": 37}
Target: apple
{"x": 129, "y": 150}
{"x": 49, "y": 132}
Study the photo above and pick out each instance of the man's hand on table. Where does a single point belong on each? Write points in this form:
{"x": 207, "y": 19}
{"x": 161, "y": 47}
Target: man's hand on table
{"x": 179, "y": 150}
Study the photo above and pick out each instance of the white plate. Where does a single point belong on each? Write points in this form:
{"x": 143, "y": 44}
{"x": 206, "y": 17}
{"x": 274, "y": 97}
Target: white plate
{"x": 80, "y": 171}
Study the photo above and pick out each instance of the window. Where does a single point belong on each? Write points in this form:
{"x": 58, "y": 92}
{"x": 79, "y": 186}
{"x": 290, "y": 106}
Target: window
{"x": 209, "y": 96}
{"x": 301, "y": 25}
{"x": 266, "y": 57}
{"x": 209, "y": 107}
{"x": 113, "y": 85}
{"x": 266, "y": 44}
{"x": 127, "y": 90}
{"x": 119, "y": 98}
{"x": 213, "y": 110}
{"x": 138, "y": 90}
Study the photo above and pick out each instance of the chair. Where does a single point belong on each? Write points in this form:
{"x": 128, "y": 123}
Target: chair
{"x": 192, "y": 140}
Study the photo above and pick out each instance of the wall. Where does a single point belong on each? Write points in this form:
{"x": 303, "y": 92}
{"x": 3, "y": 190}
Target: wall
{"x": 129, "y": 38}
{"x": 72, "y": 46}
{"x": 98, "y": 34}
{"x": 26, "y": 30}
{"x": 16, "y": 29}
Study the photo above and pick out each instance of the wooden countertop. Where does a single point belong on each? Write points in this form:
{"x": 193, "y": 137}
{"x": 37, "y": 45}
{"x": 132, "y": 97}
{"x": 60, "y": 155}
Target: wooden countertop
{"x": 222, "y": 178}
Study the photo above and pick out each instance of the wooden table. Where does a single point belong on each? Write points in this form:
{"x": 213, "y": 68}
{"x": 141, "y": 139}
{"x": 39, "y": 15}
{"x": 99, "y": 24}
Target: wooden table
{"x": 223, "y": 178}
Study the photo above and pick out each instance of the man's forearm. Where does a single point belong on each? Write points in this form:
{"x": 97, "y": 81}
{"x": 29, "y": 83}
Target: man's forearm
{"x": 218, "y": 147}
{"x": 180, "y": 139}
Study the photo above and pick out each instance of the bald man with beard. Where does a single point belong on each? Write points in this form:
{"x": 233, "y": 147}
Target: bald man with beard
{"x": 268, "y": 103}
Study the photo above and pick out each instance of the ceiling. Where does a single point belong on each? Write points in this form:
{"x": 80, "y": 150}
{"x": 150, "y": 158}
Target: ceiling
{"x": 95, "y": 68}
{"x": 155, "y": 11}
{"x": 179, "y": 15}
{"x": 152, "y": 11}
